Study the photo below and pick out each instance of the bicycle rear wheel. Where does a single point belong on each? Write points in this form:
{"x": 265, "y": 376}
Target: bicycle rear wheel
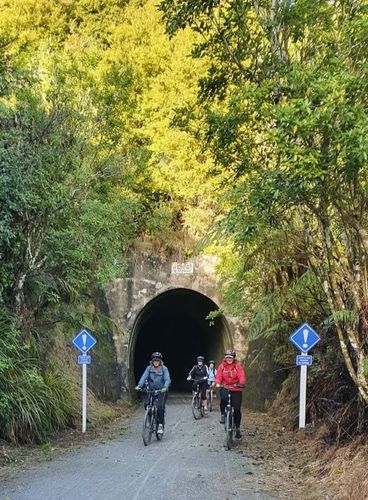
{"x": 147, "y": 428}
{"x": 196, "y": 407}
{"x": 229, "y": 427}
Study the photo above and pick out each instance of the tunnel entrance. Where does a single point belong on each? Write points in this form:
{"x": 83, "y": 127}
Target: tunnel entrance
{"x": 174, "y": 323}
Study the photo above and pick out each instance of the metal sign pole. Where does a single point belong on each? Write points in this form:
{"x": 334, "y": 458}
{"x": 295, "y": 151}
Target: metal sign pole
{"x": 302, "y": 396}
{"x": 84, "y": 397}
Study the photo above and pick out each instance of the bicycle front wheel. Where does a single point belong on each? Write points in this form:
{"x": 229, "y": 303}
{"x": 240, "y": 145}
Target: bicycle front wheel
{"x": 147, "y": 428}
{"x": 196, "y": 407}
{"x": 229, "y": 427}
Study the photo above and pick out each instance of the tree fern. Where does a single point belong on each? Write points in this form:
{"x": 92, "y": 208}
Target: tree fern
{"x": 344, "y": 318}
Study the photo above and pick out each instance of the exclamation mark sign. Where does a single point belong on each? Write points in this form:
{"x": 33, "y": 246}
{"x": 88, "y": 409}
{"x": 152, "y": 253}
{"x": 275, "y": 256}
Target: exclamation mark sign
{"x": 305, "y": 335}
{"x": 84, "y": 340}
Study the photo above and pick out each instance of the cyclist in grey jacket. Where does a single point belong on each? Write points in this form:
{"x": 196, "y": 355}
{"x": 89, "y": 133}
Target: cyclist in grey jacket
{"x": 157, "y": 377}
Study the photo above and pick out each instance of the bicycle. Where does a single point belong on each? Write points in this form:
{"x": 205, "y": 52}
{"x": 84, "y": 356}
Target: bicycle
{"x": 197, "y": 402}
{"x": 150, "y": 423}
{"x": 229, "y": 420}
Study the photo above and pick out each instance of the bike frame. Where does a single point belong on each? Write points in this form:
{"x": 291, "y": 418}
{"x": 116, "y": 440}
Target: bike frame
{"x": 152, "y": 400}
{"x": 229, "y": 421}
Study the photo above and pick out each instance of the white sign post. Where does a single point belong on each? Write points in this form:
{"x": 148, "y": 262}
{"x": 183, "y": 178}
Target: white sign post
{"x": 84, "y": 342}
{"x": 304, "y": 338}
{"x": 84, "y": 397}
{"x": 302, "y": 396}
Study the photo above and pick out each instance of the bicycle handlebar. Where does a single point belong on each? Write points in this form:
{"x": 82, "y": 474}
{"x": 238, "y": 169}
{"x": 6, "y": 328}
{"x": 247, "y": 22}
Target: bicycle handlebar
{"x": 149, "y": 391}
{"x": 240, "y": 386}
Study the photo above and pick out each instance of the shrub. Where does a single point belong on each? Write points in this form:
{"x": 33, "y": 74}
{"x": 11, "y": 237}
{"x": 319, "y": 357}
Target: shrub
{"x": 32, "y": 403}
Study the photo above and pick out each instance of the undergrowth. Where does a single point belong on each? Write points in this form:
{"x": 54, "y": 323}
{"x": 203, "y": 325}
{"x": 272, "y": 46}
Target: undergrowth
{"x": 33, "y": 401}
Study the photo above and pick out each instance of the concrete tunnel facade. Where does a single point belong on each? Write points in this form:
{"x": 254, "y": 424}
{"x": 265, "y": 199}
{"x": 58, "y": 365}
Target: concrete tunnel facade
{"x": 163, "y": 306}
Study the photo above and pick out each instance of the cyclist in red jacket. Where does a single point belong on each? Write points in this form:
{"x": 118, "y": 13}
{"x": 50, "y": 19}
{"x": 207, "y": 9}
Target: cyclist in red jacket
{"x": 231, "y": 377}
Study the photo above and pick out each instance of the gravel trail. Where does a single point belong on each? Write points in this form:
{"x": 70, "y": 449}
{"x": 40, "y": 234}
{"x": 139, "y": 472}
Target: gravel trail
{"x": 190, "y": 462}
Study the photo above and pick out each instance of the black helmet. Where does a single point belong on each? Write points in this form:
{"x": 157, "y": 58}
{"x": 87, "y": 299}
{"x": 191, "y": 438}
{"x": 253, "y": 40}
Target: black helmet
{"x": 230, "y": 354}
{"x": 200, "y": 358}
{"x": 156, "y": 355}
{"x": 211, "y": 361}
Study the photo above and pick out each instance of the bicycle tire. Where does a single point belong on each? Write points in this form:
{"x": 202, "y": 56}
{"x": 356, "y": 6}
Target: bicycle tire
{"x": 229, "y": 427}
{"x": 196, "y": 407}
{"x": 147, "y": 428}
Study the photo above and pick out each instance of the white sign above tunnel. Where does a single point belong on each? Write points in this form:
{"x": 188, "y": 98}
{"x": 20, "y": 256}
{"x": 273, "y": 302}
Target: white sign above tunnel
{"x": 182, "y": 268}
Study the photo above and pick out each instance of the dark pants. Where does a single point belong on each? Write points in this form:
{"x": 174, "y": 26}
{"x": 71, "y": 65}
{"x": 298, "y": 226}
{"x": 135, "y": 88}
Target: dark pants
{"x": 161, "y": 401}
{"x": 236, "y": 399}
{"x": 203, "y": 384}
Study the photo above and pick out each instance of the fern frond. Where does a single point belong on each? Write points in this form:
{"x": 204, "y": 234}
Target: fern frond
{"x": 344, "y": 318}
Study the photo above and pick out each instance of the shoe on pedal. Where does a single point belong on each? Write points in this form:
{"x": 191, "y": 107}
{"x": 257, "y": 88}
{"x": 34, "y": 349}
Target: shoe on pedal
{"x": 238, "y": 433}
{"x": 222, "y": 419}
{"x": 160, "y": 429}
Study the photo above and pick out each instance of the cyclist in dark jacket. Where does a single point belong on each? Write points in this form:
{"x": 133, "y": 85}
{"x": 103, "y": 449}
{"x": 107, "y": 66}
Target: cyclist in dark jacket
{"x": 199, "y": 374}
{"x": 156, "y": 376}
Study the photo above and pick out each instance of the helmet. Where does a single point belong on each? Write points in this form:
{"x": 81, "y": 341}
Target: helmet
{"x": 230, "y": 354}
{"x": 211, "y": 361}
{"x": 156, "y": 355}
{"x": 200, "y": 358}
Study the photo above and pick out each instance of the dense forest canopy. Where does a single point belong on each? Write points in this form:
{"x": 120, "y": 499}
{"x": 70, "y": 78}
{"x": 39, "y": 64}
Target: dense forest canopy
{"x": 284, "y": 107}
{"x": 235, "y": 126}
{"x": 89, "y": 163}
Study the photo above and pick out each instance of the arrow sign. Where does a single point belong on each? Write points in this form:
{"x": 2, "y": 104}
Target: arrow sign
{"x": 84, "y": 341}
{"x": 304, "y": 338}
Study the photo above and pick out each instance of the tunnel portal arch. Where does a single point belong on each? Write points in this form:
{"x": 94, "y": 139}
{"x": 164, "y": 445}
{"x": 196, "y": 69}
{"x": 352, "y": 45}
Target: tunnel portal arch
{"x": 174, "y": 323}
{"x": 183, "y": 293}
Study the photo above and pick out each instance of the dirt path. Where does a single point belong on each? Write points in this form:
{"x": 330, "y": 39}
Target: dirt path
{"x": 190, "y": 462}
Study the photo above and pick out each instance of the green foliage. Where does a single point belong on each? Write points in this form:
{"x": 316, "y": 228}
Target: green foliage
{"x": 109, "y": 131}
{"x": 54, "y": 221}
{"x": 32, "y": 403}
{"x": 74, "y": 188}
{"x": 283, "y": 109}
{"x": 213, "y": 315}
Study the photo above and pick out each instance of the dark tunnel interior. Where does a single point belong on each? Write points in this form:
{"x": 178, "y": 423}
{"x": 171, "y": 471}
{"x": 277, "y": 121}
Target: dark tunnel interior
{"x": 175, "y": 324}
